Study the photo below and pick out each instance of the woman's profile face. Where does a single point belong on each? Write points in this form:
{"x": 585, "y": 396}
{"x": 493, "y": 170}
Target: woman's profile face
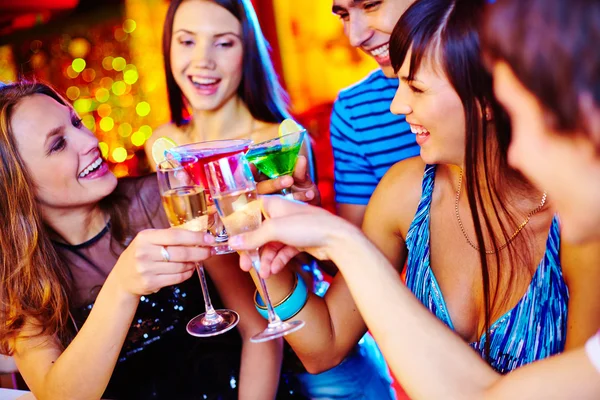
{"x": 60, "y": 154}
{"x": 564, "y": 165}
{"x": 206, "y": 54}
{"x": 434, "y": 111}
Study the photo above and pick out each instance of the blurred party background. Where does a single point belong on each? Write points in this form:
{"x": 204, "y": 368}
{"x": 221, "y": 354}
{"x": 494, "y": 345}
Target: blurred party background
{"x": 106, "y": 58}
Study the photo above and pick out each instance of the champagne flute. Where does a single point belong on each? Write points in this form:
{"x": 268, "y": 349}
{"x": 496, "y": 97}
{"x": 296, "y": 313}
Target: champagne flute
{"x": 185, "y": 205}
{"x": 206, "y": 152}
{"x": 234, "y": 192}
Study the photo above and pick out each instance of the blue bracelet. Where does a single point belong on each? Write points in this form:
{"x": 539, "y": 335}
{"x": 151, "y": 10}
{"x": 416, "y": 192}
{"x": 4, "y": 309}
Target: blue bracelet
{"x": 290, "y": 305}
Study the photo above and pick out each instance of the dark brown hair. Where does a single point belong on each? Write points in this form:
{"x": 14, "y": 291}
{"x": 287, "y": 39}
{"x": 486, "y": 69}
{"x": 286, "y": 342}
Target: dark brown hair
{"x": 36, "y": 282}
{"x": 259, "y": 89}
{"x": 552, "y": 47}
{"x": 446, "y": 31}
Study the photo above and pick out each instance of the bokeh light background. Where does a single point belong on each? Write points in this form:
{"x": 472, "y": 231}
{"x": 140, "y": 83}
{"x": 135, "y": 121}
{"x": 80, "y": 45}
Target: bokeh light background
{"x": 108, "y": 63}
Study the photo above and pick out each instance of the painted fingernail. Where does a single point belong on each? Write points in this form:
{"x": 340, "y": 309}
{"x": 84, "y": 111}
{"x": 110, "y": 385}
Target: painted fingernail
{"x": 310, "y": 195}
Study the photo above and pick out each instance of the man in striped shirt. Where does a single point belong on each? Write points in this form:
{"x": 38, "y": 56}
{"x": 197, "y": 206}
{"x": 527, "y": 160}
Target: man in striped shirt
{"x": 367, "y": 139}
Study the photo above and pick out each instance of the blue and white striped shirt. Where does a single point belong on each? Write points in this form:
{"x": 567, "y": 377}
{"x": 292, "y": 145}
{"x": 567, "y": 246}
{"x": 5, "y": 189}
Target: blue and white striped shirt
{"x": 367, "y": 139}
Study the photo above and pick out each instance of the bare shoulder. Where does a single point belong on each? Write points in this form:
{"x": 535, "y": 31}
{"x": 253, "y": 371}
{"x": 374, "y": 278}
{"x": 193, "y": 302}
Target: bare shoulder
{"x": 398, "y": 193}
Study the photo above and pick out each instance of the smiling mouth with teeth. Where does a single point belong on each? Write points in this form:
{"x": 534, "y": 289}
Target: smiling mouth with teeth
{"x": 91, "y": 168}
{"x": 418, "y": 129}
{"x": 202, "y": 83}
{"x": 381, "y": 53}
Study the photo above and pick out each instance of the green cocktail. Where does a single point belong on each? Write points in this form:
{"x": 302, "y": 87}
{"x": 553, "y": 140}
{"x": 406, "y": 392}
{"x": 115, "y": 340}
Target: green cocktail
{"x": 276, "y": 161}
{"x": 277, "y": 157}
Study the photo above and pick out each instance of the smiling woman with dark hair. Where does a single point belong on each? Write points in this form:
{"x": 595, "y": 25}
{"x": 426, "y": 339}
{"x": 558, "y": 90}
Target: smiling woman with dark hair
{"x": 431, "y": 362}
{"x": 481, "y": 244}
{"x": 221, "y": 82}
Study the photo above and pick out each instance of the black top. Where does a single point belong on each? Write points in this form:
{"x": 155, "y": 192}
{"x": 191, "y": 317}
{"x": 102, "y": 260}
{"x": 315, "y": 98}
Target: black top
{"x": 159, "y": 359}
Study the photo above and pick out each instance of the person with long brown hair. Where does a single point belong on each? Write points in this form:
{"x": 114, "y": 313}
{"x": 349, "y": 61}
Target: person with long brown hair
{"x": 481, "y": 245}
{"x": 95, "y": 290}
{"x": 221, "y": 83}
{"x": 550, "y": 89}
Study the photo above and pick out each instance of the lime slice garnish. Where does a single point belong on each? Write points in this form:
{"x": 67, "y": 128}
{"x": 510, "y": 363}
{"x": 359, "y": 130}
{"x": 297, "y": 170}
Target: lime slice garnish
{"x": 286, "y": 127}
{"x": 160, "y": 148}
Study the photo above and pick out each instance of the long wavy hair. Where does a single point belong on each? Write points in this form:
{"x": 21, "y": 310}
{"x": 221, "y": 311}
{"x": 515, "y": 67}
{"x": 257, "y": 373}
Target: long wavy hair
{"x": 36, "y": 283}
{"x": 447, "y": 31}
{"x": 259, "y": 88}
{"x": 556, "y": 59}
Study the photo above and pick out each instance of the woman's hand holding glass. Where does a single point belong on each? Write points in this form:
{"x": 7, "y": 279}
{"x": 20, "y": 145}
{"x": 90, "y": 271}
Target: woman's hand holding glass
{"x": 300, "y": 183}
{"x": 143, "y": 269}
{"x": 291, "y": 227}
{"x": 233, "y": 190}
{"x": 186, "y": 208}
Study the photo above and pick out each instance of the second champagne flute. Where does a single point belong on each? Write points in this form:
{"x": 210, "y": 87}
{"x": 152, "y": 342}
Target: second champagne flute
{"x": 185, "y": 205}
{"x": 234, "y": 192}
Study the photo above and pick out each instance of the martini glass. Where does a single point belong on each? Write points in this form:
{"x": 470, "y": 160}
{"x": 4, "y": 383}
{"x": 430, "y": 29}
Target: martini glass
{"x": 185, "y": 205}
{"x": 277, "y": 157}
{"x": 206, "y": 152}
{"x": 234, "y": 191}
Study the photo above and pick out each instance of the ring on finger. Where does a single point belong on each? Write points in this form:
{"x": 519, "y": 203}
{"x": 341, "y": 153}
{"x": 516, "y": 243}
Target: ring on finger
{"x": 165, "y": 254}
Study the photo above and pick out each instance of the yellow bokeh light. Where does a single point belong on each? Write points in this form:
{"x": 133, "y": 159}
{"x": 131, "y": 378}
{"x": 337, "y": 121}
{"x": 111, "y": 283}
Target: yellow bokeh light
{"x": 78, "y": 64}
{"x": 106, "y": 124}
{"x": 79, "y": 47}
{"x": 119, "y": 154}
{"x": 104, "y": 110}
{"x": 71, "y": 73}
{"x": 103, "y": 149}
{"x": 119, "y": 88}
{"x": 73, "y": 93}
{"x": 82, "y": 106}
{"x": 130, "y": 76}
{"x": 138, "y": 138}
{"x": 146, "y": 130}
{"x": 107, "y": 63}
{"x": 89, "y": 122}
{"x": 102, "y": 95}
{"x": 129, "y": 25}
{"x": 142, "y": 109}
{"x": 119, "y": 64}
{"x": 125, "y": 129}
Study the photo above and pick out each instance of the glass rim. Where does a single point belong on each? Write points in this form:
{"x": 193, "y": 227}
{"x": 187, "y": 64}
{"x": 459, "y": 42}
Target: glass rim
{"x": 206, "y": 145}
{"x": 236, "y": 156}
{"x": 260, "y": 144}
{"x": 174, "y": 164}
{"x": 240, "y": 157}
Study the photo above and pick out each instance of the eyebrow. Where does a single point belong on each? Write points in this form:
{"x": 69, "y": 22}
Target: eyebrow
{"x": 407, "y": 80}
{"x": 339, "y": 9}
{"x": 59, "y": 130}
{"x": 217, "y": 35}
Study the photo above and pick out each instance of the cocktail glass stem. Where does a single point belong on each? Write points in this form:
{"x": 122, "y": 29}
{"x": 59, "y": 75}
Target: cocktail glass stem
{"x": 273, "y": 317}
{"x": 211, "y": 317}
